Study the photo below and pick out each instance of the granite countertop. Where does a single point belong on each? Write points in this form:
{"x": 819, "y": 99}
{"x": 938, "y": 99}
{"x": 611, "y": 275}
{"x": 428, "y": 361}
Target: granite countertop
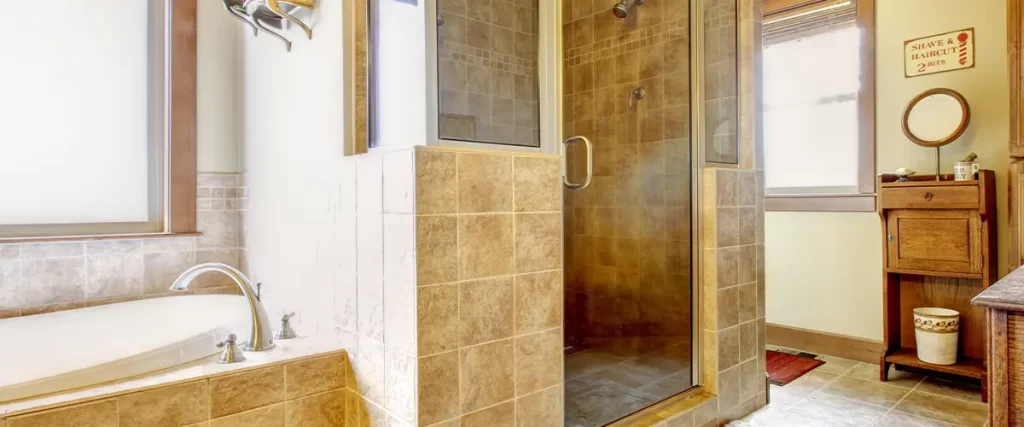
{"x": 1006, "y": 294}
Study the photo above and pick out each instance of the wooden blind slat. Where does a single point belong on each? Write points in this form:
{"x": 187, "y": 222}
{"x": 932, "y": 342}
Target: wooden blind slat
{"x": 805, "y": 22}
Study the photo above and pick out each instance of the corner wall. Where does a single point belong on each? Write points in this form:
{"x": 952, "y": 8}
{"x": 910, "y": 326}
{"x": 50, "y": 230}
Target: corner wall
{"x": 824, "y": 270}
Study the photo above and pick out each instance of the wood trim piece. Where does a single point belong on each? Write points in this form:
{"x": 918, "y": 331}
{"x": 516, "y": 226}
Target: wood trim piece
{"x": 866, "y": 98}
{"x": 181, "y": 118}
{"x": 999, "y": 371}
{"x": 864, "y": 350}
{"x": 1015, "y": 61}
{"x": 820, "y": 203}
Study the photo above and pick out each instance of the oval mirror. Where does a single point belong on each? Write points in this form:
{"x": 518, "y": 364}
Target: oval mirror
{"x": 936, "y": 117}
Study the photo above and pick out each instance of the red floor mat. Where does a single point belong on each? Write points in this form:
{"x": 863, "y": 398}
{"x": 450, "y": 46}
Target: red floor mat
{"x": 783, "y": 368}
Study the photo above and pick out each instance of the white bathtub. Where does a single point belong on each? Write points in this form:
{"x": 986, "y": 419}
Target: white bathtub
{"x": 54, "y": 352}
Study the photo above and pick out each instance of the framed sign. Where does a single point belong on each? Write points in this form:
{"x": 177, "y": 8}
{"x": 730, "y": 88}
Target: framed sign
{"x": 939, "y": 53}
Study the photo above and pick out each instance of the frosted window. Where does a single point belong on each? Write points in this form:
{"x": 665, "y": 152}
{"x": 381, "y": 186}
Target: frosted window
{"x": 810, "y": 113}
{"x": 74, "y": 109}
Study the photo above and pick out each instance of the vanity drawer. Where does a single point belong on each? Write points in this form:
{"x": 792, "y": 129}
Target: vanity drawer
{"x": 930, "y": 197}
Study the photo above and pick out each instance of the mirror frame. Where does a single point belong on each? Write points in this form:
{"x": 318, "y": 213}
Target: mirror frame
{"x": 951, "y": 137}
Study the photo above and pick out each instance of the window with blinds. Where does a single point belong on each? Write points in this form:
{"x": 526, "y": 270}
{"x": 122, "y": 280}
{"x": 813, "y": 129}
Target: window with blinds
{"x": 811, "y": 84}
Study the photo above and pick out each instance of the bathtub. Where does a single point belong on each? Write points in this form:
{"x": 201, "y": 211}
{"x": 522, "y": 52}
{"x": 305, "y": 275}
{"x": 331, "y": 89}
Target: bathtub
{"x": 60, "y": 351}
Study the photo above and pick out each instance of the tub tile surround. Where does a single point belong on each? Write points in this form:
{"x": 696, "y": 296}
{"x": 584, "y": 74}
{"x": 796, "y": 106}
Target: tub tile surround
{"x": 45, "y": 277}
{"x": 276, "y": 394}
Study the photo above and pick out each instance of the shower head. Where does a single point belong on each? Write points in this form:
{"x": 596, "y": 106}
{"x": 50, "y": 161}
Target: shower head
{"x": 621, "y": 9}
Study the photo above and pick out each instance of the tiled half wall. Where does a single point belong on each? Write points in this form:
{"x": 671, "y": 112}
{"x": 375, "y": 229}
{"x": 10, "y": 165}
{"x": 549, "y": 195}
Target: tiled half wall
{"x": 44, "y": 277}
{"x": 311, "y": 392}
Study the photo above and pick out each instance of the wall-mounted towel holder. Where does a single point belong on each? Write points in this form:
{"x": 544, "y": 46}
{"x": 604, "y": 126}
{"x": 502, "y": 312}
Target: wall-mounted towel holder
{"x": 268, "y": 15}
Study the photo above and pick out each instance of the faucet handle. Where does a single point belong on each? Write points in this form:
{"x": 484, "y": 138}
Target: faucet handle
{"x": 231, "y": 353}
{"x": 286, "y": 331}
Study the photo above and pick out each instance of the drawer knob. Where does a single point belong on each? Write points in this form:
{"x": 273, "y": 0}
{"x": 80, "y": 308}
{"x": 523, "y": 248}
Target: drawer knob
{"x": 928, "y": 196}
{"x": 891, "y": 237}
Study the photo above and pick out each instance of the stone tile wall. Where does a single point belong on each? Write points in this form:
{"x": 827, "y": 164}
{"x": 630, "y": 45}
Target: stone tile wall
{"x": 487, "y": 66}
{"x": 45, "y": 277}
{"x": 311, "y": 392}
{"x": 489, "y": 294}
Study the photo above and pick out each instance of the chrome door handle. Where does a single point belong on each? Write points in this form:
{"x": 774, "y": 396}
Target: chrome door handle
{"x": 565, "y": 163}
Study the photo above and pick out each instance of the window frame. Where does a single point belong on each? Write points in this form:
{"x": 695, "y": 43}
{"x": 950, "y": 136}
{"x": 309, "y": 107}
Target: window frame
{"x": 174, "y": 132}
{"x": 863, "y": 200}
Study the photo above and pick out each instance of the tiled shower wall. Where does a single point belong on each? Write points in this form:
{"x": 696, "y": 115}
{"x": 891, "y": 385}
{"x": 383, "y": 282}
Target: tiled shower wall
{"x": 627, "y": 235}
{"x": 721, "y": 117}
{"x": 44, "y": 277}
{"x": 488, "y": 227}
{"x": 487, "y": 61}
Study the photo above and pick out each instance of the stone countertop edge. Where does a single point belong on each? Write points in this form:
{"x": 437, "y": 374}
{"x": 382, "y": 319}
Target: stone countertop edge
{"x": 1006, "y": 294}
{"x": 303, "y": 347}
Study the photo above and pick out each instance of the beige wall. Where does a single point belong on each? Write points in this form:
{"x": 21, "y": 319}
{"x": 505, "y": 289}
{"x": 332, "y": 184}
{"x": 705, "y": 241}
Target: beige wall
{"x": 219, "y": 88}
{"x": 824, "y": 270}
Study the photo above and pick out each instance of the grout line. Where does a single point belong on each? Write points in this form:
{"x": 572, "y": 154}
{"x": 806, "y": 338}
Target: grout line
{"x": 899, "y": 401}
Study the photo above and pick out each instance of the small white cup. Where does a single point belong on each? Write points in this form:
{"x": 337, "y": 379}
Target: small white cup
{"x": 964, "y": 171}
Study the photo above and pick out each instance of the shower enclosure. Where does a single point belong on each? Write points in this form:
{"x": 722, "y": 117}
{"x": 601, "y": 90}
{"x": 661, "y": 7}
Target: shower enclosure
{"x": 629, "y": 318}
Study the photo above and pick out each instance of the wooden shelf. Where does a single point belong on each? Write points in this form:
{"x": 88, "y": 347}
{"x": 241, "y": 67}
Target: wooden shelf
{"x": 965, "y": 367}
{"x": 976, "y": 276}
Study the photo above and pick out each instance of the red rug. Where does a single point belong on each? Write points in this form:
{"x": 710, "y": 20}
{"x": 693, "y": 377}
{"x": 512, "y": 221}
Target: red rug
{"x": 783, "y": 368}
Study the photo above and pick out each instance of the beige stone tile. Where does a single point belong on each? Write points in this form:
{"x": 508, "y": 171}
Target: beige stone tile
{"x": 538, "y": 361}
{"x": 541, "y": 409}
{"x": 185, "y": 244}
{"x": 485, "y": 246}
{"x": 869, "y": 372}
{"x": 942, "y": 408}
{"x": 729, "y": 387}
{"x": 232, "y": 394}
{"x": 503, "y": 415}
{"x": 538, "y": 301}
{"x": 801, "y": 387}
{"x": 746, "y": 227}
{"x": 438, "y": 387}
{"x": 728, "y": 307}
{"x": 484, "y": 182}
{"x": 833, "y": 411}
{"x": 112, "y": 276}
{"x": 726, "y": 269}
{"x": 538, "y": 244}
{"x": 836, "y": 365}
{"x": 955, "y": 389}
{"x": 313, "y": 376}
{"x": 160, "y": 269}
{"x": 438, "y": 311}
{"x": 436, "y": 189}
{"x": 98, "y": 414}
{"x": 875, "y": 393}
{"x": 219, "y": 228}
{"x": 10, "y": 252}
{"x": 706, "y": 412}
{"x": 485, "y": 310}
{"x": 728, "y": 348}
{"x": 112, "y": 247}
{"x": 727, "y": 227}
{"x": 227, "y": 256}
{"x": 486, "y": 373}
{"x": 747, "y": 302}
{"x": 748, "y": 341}
{"x": 176, "y": 405}
{"x": 52, "y": 250}
{"x": 726, "y": 187}
{"x": 902, "y": 419}
{"x": 538, "y": 184}
{"x": 319, "y": 410}
{"x": 267, "y": 416}
{"x": 10, "y": 279}
{"x": 52, "y": 281}
{"x": 400, "y": 384}
{"x": 437, "y": 257}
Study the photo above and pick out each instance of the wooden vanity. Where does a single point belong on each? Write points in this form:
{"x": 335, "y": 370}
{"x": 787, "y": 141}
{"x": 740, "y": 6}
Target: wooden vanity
{"x": 1004, "y": 306}
{"x": 938, "y": 251}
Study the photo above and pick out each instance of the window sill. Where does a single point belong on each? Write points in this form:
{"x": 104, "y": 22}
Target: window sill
{"x": 819, "y": 203}
{"x": 15, "y": 240}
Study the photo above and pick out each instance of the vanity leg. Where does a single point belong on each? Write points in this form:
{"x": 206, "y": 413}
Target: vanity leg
{"x": 883, "y": 370}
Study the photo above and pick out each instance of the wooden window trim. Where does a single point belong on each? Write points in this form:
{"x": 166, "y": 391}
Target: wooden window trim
{"x": 179, "y": 132}
{"x": 864, "y": 199}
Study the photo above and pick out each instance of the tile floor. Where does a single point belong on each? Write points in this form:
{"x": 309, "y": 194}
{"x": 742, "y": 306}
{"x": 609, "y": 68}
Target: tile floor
{"x": 607, "y": 383}
{"x": 844, "y": 392}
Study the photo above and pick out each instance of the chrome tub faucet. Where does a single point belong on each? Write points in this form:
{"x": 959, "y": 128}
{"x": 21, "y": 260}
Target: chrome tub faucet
{"x": 260, "y": 336}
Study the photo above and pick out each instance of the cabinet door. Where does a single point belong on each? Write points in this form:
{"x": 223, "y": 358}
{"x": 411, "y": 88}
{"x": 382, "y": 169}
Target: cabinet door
{"x": 934, "y": 240}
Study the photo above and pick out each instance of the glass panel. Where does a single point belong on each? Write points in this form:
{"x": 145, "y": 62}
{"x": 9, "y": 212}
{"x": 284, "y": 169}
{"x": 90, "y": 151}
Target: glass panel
{"x": 628, "y": 301}
{"x": 721, "y": 108}
{"x": 487, "y": 71}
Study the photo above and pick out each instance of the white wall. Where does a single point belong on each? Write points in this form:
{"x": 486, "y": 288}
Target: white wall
{"x": 824, "y": 269}
{"x": 292, "y": 110}
{"x": 219, "y": 88}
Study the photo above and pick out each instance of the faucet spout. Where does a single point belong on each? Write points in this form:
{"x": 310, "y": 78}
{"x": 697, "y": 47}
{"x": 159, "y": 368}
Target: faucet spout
{"x": 260, "y": 336}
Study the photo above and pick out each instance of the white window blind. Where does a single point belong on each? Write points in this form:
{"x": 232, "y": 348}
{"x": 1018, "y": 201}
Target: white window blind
{"x": 77, "y": 100}
{"x": 811, "y": 81}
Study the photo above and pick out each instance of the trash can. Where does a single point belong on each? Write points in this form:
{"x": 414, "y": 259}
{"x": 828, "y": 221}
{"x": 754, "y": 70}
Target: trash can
{"x": 937, "y": 331}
